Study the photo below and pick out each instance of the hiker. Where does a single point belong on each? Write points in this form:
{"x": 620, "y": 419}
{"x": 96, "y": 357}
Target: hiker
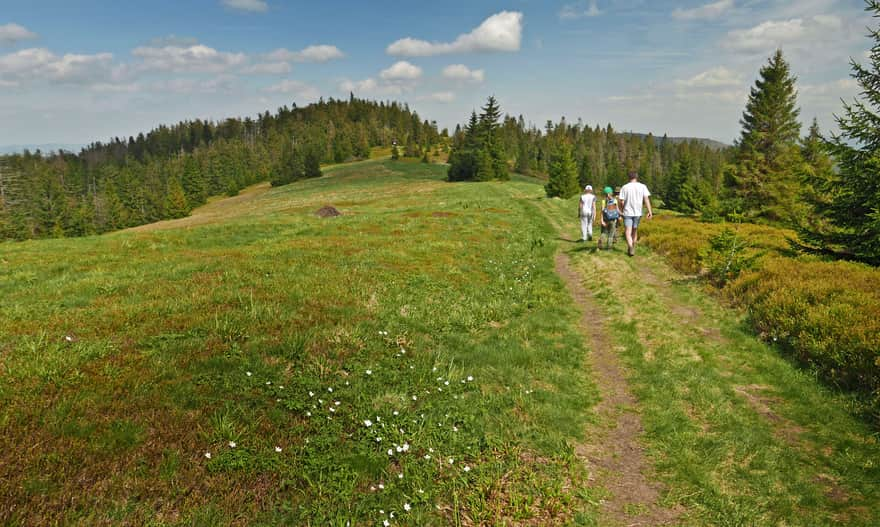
{"x": 608, "y": 219}
{"x": 587, "y": 213}
{"x": 632, "y": 196}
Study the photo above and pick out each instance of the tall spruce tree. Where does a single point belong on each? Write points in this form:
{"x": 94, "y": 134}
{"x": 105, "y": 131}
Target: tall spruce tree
{"x": 490, "y": 142}
{"x": 563, "y": 181}
{"x": 764, "y": 178}
{"x": 851, "y": 195}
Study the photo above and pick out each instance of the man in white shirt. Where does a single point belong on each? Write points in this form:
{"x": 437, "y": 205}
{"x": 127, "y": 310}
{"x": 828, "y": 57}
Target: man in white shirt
{"x": 587, "y": 213}
{"x": 631, "y": 196}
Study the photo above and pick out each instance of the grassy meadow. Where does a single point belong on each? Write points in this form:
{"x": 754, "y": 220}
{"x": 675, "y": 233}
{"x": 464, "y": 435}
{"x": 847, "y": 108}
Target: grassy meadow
{"x": 414, "y": 361}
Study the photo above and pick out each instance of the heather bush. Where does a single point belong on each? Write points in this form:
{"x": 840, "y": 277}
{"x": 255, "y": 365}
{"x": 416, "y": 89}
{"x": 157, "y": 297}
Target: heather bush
{"x": 824, "y": 314}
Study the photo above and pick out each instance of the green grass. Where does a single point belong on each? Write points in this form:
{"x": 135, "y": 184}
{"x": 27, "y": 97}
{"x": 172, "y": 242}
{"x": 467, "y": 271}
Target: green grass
{"x": 738, "y": 434}
{"x": 125, "y": 358}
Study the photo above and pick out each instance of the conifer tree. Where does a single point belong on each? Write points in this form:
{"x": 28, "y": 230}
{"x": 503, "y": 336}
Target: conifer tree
{"x": 850, "y": 196}
{"x": 563, "y": 181}
{"x": 175, "y": 200}
{"x": 764, "y": 179}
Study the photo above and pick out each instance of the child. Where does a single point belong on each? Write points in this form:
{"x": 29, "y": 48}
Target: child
{"x": 587, "y": 213}
{"x": 610, "y": 215}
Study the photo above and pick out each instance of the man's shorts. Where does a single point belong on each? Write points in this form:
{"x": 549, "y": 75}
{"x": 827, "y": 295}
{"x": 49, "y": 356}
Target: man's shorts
{"x": 632, "y": 221}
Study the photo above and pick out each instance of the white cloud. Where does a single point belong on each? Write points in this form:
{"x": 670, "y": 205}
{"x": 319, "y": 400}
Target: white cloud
{"x": 815, "y": 35}
{"x": 190, "y": 59}
{"x": 296, "y": 88}
{"x": 317, "y": 53}
{"x": 500, "y": 32}
{"x": 712, "y": 78}
{"x": 10, "y": 34}
{"x": 401, "y": 71}
{"x": 8, "y": 84}
{"x": 42, "y": 64}
{"x": 704, "y": 12}
{"x": 442, "y": 96}
{"x": 463, "y": 73}
{"x": 839, "y": 89}
{"x": 250, "y": 6}
{"x": 361, "y": 86}
{"x": 766, "y": 36}
{"x": 579, "y": 10}
{"x": 268, "y": 68}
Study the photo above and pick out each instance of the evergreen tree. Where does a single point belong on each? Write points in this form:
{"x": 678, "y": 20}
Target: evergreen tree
{"x": 563, "y": 181}
{"x": 490, "y": 141}
{"x": 175, "y": 200}
{"x": 850, "y": 197}
{"x": 764, "y": 179}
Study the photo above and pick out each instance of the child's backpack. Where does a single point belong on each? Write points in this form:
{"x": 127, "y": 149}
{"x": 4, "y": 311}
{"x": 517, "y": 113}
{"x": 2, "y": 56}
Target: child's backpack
{"x": 610, "y": 212}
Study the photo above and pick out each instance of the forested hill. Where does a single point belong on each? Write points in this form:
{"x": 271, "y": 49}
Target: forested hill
{"x": 172, "y": 169}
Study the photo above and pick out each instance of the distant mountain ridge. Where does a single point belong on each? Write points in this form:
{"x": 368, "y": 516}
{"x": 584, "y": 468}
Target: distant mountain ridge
{"x": 45, "y": 148}
{"x": 711, "y": 143}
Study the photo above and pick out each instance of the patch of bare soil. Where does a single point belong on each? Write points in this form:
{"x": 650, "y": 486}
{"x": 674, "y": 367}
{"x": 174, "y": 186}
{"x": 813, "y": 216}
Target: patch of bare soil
{"x": 617, "y": 458}
{"x": 327, "y": 211}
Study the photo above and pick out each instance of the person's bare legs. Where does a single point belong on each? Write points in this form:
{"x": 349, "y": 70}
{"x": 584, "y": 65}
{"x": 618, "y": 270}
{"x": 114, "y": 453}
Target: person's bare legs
{"x": 629, "y": 238}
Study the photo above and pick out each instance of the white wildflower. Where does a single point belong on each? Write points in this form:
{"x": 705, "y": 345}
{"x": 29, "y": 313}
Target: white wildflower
{"x": 330, "y": 390}
{"x": 208, "y": 455}
{"x": 369, "y": 372}
{"x": 277, "y": 449}
{"x": 248, "y": 373}
{"x": 311, "y": 393}
{"x": 232, "y": 444}
{"x": 467, "y": 468}
{"x": 470, "y": 378}
{"x": 390, "y": 452}
{"x": 382, "y": 487}
{"x": 368, "y": 423}
{"x": 407, "y": 507}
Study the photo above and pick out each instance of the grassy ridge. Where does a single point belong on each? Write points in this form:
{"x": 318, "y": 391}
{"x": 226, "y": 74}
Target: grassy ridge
{"x": 430, "y": 310}
{"x": 824, "y": 314}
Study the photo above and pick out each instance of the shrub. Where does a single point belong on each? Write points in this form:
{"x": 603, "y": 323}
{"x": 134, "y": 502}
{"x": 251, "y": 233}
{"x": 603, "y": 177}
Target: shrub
{"x": 725, "y": 257}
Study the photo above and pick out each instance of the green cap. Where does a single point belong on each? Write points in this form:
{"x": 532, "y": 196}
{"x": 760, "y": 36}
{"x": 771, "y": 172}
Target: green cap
{"x": 609, "y": 190}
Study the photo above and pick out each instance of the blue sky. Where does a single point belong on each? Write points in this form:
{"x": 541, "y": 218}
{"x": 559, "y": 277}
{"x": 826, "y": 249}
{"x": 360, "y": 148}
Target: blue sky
{"x": 75, "y": 72}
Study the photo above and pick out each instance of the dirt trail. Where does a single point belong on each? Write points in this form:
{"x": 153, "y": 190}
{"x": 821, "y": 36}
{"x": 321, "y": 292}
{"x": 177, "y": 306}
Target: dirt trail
{"x": 618, "y": 456}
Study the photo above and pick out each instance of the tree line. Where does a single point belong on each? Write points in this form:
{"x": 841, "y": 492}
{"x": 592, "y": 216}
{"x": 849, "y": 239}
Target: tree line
{"x": 172, "y": 169}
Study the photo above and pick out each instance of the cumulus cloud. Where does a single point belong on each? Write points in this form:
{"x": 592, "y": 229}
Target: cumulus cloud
{"x": 197, "y": 58}
{"x": 704, "y": 12}
{"x": 401, "y": 71}
{"x": 579, "y": 10}
{"x": 442, "y": 96}
{"x": 249, "y": 6}
{"x": 715, "y": 77}
{"x": 42, "y": 64}
{"x": 838, "y": 89}
{"x": 461, "y": 72}
{"x": 298, "y": 89}
{"x": 795, "y": 32}
{"x": 11, "y": 34}
{"x": 500, "y": 32}
{"x": 317, "y": 53}
{"x": 268, "y": 68}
